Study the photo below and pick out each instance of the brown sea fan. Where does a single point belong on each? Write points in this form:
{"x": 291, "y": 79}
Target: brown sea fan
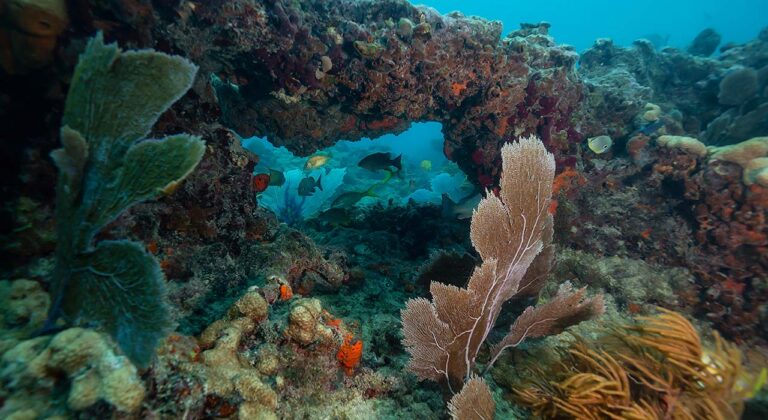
{"x": 509, "y": 232}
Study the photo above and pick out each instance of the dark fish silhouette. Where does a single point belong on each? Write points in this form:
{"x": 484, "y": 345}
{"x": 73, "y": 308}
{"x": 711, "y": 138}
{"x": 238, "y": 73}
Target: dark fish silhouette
{"x": 381, "y": 161}
{"x": 349, "y": 199}
{"x": 276, "y": 178}
{"x": 652, "y": 127}
{"x": 307, "y": 186}
{"x": 461, "y": 210}
{"x": 335, "y": 216}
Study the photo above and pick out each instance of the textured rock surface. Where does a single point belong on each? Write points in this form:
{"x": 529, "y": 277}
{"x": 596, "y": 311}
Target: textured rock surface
{"x": 674, "y": 207}
{"x": 720, "y": 100}
{"x": 453, "y": 69}
{"x": 80, "y": 366}
{"x": 307, "y": 74}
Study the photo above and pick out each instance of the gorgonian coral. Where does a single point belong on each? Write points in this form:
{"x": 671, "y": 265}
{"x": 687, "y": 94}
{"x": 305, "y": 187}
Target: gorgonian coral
{"x": 105, "y": 166}
{"x": 512, "y": 233}
{"x": 656, "y": 368}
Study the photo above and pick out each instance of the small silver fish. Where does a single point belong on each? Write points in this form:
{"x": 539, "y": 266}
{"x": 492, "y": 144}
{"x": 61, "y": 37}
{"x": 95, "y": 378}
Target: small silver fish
{"x": 600, "y": 144}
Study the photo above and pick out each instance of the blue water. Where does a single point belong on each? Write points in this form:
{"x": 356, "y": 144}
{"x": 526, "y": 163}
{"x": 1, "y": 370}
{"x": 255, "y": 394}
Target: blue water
{"x": 579, "y": 23}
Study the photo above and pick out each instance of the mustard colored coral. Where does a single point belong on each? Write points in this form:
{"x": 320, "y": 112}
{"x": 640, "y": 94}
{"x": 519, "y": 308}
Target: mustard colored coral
{"x": 658, "y": 367}
{"x": 750, "y": 155}
{"x": 23, "y": 304}
{"x": 84, "y": 363}
{"x": 687, "y": 144}
{"x": 304, "y": 323}
{"x": 651, "y": 112}
{"x": 226, "y": 371}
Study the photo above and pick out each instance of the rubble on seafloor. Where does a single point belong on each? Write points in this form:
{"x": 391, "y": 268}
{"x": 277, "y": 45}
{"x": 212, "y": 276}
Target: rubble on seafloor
{"x": 255, "y": 358}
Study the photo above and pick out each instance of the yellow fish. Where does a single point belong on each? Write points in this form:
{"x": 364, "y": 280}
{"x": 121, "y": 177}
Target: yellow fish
{"x": 600, "y": 144}
{"x": 426, "y": 165}
{"x": 316, "y": 161}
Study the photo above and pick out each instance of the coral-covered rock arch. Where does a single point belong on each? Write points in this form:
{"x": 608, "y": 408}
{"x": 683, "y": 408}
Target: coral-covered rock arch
{"x": 308, "y": 74}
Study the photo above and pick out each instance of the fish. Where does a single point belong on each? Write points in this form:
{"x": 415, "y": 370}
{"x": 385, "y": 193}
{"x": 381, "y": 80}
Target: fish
{"x": 426, "y": 165}
{"x": 381, "y": 161}
{"x": 316, "y": 161}
{"x": 335, "y": 216}
{"x": 349, "y": 199}
{"x": 307, "y": 186}
{"x": 276, "y": 178}
{"x": 651, "y": 128}
{"x": 260, "y": 182}
{"x": 600, "y": 144}
{"x": 461, "y": 210}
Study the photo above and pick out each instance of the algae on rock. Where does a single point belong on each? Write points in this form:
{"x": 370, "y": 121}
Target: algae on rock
{"x": 105, "y": 166}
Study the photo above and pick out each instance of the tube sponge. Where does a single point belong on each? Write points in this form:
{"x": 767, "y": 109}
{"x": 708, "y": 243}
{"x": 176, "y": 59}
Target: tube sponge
{"x": 106, "y": 165}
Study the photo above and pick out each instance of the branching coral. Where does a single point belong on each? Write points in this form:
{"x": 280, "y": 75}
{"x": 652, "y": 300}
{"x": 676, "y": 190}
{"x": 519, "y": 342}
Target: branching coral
{"x": 658, "y": 368}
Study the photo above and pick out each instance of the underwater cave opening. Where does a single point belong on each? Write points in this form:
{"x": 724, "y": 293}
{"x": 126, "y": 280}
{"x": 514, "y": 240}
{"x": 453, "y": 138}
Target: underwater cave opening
{"x": 330, "y": 185}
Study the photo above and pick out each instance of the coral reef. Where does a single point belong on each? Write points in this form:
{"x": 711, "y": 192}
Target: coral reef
{"x": 689, "y": 145}
{"x": 226, "y": 373}
{"x": 619, "y": 81}
{"x": 632, "y": 283}
{"x": 305, "y": 325}
{"x": 302, "y": 321}
{"x": 116, "y": 285}
{"x": 732, "y": 233}
{"x": 24, "y": 304}
{"x": 749, "y": 155}
{"x": 705, "y": 43}
{"x": 83, "y": 363}
{"x": 656, "y": 368}
{"x": 443, "y": 336}
{"x": 496, "y": 88}
{"x": 678, "y": 203}
{"x": 737, "y": 86}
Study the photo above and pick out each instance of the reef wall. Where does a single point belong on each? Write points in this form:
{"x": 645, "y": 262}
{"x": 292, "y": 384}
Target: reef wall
{"x": 719, "y": 99}
{"x": 308, "y": 73}
{"x": 305, "y": 74}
